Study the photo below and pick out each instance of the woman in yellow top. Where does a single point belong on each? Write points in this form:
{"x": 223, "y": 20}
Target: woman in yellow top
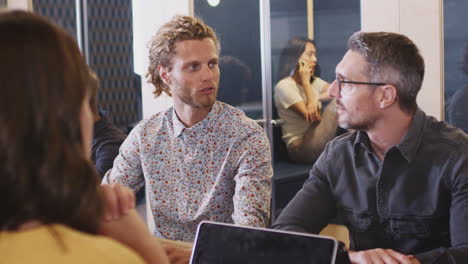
{"x": 52, "y": 208}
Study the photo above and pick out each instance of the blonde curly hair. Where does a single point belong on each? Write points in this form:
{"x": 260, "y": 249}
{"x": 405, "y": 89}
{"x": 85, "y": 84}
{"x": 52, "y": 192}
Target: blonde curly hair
{"x": 162, "y": 45}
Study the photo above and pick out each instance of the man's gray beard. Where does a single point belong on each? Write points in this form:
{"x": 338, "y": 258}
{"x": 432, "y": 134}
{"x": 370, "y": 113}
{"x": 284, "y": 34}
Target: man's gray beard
{"x": 363, "y": 126}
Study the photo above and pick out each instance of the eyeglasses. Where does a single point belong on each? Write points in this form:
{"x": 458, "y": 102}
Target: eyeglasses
{"x": 340, "y": 90}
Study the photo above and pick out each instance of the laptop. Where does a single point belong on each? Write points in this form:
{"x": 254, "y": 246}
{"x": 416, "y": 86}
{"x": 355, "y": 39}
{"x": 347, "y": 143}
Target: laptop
{"x": 219, "y": 243}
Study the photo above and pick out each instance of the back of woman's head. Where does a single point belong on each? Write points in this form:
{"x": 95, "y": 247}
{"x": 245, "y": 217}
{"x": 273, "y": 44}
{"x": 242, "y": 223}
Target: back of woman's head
{"x": 45, "y": 173}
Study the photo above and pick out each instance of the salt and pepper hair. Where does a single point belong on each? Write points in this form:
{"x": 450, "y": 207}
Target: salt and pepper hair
{"x": 162, "y": 45}
{"x": 392, "y": 58}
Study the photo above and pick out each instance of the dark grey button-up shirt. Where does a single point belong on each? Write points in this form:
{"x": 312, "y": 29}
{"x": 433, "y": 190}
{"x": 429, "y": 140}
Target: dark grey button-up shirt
{"x": 414, "y": 201}
{"x": 106, "y": 143}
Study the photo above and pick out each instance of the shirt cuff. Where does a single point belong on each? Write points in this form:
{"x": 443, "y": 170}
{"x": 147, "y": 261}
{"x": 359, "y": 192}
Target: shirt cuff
{"x": 430, "y": 256}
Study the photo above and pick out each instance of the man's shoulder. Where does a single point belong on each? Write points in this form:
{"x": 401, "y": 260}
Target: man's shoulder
{"x": 232, "y": 114}
{"x": 155, "y": 121}
{"x": 339, "y": 148}
{"x": 105, "y": 130}
{"x": 234, "y": 120}
{"x": 441, "y": 132}
{"x": 343, "y": 141}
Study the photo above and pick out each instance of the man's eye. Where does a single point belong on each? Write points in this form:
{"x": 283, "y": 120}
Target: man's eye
{"x": 344, "y": 84}
{"x": 193, "y": 67}
{"x": 212, "y": 64}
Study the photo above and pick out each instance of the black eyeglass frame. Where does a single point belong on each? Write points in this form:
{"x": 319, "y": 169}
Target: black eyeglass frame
{"x": 353, "y": 82}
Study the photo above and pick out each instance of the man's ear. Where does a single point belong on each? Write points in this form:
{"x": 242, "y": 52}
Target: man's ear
{"x": 388, "y": 96}
{"x": 164, "y": 74}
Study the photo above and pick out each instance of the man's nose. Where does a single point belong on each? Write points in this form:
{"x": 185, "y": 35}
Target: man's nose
{"x": 314, "y": 59}
{"x": 334, "y": 90}
{"x": 207, "y": 73}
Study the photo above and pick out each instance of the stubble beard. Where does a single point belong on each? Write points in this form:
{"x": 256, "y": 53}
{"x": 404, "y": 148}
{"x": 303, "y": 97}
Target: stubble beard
{"x": 363, "y": 125}
{"x": 189, "y": 100}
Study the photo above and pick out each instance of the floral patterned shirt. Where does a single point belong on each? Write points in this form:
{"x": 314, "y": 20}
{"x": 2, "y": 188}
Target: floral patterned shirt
{"x": 218, "y": 170}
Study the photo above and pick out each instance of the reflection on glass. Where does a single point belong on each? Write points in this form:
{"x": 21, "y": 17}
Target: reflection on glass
{"x": 334, "y": 22}
{"x": 236, "y": 77}
{"x": 455, "y": 63}
{"x": 237, "y": 24}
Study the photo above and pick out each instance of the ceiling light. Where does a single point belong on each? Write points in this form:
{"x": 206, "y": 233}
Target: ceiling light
{"x": 213, "y": 2}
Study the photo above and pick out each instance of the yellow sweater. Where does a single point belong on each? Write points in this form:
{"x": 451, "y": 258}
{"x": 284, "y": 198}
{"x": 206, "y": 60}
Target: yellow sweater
{"x": 60, "y": 244}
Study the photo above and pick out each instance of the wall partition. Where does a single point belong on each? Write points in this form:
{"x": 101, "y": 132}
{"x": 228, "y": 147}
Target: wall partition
{"x": 237, "y": 24}
{"x": 422, "y": 21}
{"x": 104, "y": 31}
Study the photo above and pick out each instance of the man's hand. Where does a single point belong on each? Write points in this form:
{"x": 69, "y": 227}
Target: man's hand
{"x": 118, "y": 200}
{"x": 178, "y": 255}
{"x": 381, "y": 256}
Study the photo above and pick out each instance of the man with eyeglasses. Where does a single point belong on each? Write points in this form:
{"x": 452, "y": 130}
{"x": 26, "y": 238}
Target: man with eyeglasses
{"x": 400, "y": 180}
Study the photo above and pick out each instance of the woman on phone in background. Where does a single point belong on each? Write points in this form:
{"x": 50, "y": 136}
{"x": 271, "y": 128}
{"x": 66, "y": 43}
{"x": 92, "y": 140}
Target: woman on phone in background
{"x": 302, "y": 101}
{"x": 53, "y": 209}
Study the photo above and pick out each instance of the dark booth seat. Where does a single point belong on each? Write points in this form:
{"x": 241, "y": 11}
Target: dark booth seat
{"x": 288, "y": 177}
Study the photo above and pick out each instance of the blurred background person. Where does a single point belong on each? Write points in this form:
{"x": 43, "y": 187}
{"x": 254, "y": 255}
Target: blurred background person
{"x": 302, "y": 102}
{"x": 235, "y": 81}
{"x": 458, "y": 106}
{"x": 53, "y": 209}
{"x": 107, "y": 138}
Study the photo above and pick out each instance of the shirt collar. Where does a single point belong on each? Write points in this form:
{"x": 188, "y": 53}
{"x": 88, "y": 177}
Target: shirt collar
{"x": 179, "y": 127}
{"x": 408, "y": 146}
{"x": 361, "y": 141}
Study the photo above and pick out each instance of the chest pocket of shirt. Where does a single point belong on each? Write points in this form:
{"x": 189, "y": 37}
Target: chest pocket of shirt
{"x": 418, "y": 227}
{"x": 357, "y": 221}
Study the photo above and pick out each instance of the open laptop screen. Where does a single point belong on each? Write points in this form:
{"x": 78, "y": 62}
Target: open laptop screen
{"x": 223, "y": 243}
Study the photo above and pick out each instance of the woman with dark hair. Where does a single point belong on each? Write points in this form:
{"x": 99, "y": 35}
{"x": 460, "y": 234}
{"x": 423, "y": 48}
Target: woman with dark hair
{"x": 52, "y": 206}
{"x": 298, "y": 98}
